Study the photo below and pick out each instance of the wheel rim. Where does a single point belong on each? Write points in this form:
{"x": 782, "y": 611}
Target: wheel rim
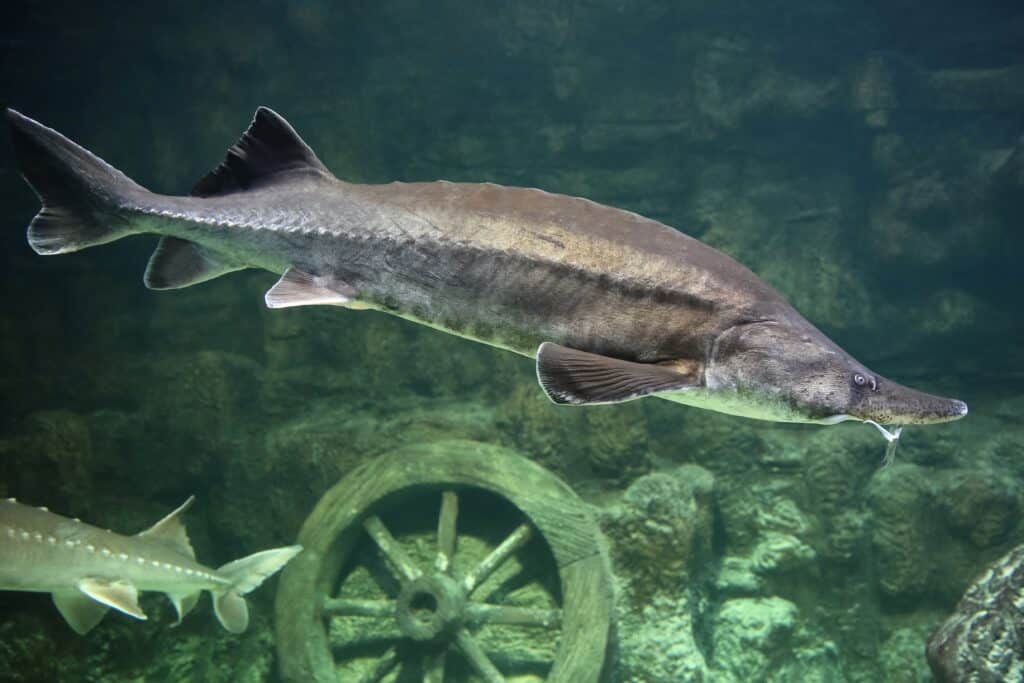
{"x": 433, "y": 604}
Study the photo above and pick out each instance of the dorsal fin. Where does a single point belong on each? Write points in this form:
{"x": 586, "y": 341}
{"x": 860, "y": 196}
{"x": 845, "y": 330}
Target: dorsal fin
{"x": 171, "y": 531}
{"x": 268, "y": 148}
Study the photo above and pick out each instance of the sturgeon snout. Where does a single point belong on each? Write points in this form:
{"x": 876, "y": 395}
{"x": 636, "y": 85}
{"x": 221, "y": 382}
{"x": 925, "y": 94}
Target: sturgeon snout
{"x": 895, "y": 404}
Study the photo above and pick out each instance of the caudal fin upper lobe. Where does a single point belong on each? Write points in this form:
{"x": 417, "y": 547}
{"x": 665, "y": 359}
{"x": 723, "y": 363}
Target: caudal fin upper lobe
{"x": 80, "y": 193}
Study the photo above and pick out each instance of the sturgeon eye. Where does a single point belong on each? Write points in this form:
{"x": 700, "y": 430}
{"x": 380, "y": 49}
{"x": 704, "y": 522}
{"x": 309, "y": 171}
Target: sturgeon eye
{"x": 862, "y": 380}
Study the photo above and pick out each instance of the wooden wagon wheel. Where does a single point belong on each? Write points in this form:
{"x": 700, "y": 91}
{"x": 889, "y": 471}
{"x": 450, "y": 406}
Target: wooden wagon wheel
{"x": 430, "y": 604}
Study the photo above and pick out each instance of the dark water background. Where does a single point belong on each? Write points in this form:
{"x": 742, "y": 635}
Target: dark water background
{"x": 864, "y": 158}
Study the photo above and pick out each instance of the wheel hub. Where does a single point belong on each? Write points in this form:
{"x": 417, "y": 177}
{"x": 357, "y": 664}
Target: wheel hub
{"x": 430, "y": 607}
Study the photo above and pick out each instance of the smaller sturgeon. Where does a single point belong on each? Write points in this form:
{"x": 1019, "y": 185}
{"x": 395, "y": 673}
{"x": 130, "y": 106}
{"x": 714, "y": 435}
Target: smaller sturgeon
{"x": 89, "y": 570}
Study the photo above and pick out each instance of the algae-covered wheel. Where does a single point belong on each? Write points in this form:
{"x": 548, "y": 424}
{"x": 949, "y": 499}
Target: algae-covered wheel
{"x": 453, "y": 561}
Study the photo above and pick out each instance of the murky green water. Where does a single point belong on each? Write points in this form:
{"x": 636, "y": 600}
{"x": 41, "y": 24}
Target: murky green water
{"x": 863, "y": 159}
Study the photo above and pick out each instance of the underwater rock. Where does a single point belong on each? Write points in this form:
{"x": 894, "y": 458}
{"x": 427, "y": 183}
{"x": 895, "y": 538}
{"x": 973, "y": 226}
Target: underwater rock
{"x": 780, "y": 553}
{"x": 751, "y": 636}
{"x": 902, "y": 520}
{"x": 214, "y": 658}
{"x": 35, "y": 649}
{"x": 308, "y": 454}
{"x": 660, "y": 536}
{"x": 818, "y": 274}
{"x": 297, "y": 341}
{"x": 736, "y": 577}
{"x": 982, "y": 640}
{"x": 757, "y": 505}
{"x": 932, "y": 531}
{"x": 617, "y": 442}
{"x": 980, "y": 506}
{"x": 210, "y": 391}
{"x": 543, "y": 432}
{"x": 840, "y": 462}
{"x": 854, "y": 624}
{"x": 718, "y": 443}
{"x": 657, "y": 642}
{"x": 1008, "y": 183}
{"x": 873, "y": 91}
{"x": 766, "y": 639}
{"x": 922, "y": 217}
{"x": 883, "y": 83}
{"x": 732, "y": 82}
{"x": 63, "y": 439}
{"x": 26, "y": 654}
{"x": 660, "y": 531}
{"x": 845, "y": 535}
{"x": 607, "y": 442}
{"x": 900, "y": 656}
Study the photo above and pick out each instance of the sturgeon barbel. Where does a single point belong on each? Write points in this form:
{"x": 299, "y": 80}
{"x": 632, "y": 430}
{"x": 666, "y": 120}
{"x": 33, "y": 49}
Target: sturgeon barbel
{"x": 613, "y": 306}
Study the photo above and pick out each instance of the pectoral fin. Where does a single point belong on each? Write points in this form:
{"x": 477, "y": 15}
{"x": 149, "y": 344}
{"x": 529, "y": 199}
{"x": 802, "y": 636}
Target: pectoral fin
{"x": 82, "y": 613}
{"x": 298, "y": 288}
{"x": 121, "y": 595}
{"x": 578, "y": 377}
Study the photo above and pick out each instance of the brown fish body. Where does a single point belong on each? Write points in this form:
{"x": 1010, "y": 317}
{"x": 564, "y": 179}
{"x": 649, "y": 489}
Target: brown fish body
{"x": 614, "y": 306}
{"x": 515, "y": 267}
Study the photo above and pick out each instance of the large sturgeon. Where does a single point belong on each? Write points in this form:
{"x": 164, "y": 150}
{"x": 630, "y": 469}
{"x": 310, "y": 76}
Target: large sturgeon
{"x": 89, "y": 570}
{"x": 612, "y": 305}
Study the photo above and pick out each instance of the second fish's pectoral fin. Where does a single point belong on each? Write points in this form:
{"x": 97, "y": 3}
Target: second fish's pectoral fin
{"x": 178, "y": 263}
{"x": 81, "y": 612}
{"x": 298, "y": 288}
{"x": 579, "y": 377}
{"x": 121, "y": 595}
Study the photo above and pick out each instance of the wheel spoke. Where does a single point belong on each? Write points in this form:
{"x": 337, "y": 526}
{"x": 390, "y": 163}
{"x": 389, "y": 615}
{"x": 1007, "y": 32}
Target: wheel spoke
{"x": 388, "y": 661}
{"x": 480, "y": 662}
{"x": 446, "y": 531}
{"x": 516, "y": 540}
{"x": 433, "y": 667}
{"x": 339, "y": 607}
{"x": 478, "y": 613}
{"x": 406, "y": 568}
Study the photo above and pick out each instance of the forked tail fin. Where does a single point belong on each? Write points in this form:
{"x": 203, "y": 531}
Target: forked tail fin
{"x": 246, "y": 575}
{"x": 79, "y": 191}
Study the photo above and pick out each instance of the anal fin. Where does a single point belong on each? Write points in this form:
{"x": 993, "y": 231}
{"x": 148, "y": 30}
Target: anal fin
{"x": 299, "y": 288}
{"x": 178, "y": 263}
{"x": 183, "y": 604}
{"x": 81, "y": 612}
{"x": 579, "y": 377}
{"x": 121, "y": 595}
